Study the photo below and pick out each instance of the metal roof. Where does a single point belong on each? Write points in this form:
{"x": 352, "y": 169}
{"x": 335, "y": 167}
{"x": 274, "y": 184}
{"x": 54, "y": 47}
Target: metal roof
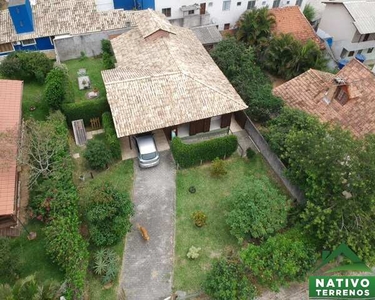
{"x": 208, "y": 34}
{"x": 363, "y": 14}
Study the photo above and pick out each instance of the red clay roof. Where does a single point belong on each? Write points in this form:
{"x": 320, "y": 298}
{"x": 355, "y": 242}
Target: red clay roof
{"x": 10, "y": 116}
{"x": 291, "y": 20}
{"x": 306, "y": 92}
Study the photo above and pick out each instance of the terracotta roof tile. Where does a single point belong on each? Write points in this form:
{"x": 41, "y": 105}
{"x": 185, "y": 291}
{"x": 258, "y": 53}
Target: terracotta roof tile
{"x": 291, "y": 20}
{"x": 10, "y": 116}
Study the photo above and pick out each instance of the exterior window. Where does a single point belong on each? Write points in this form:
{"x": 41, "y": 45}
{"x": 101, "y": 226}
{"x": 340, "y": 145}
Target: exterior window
{"x": 370, "y": 50}
{"x": 8, "y": 47}
{"x": 226, "y": 5}
{"x": 365, "y": 37}
{"x": 359, "y": 51}
{"x": 342, "y": 96}
{"x": 276, "y": 3}
{"x": 191, "y": 12}
{"x": 264, "y": 3}
{"x": 299, "y": 2}
{"x": 28, "y": 42}
{"x": 351, "y": 53}
{"x": 344, "y": 52}
{"x": 166, "y": 12}
{"x": 288, "y": 2}
{"x": 226, "y": 26}
{"x": 251, "y": 4}
{"x": 210, "y": 4}
{"x": 238, "y": 3}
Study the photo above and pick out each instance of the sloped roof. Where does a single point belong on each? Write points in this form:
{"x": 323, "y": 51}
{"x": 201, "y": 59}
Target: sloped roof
{"x": 306, "y": 92}
{"x": 56, "y": 17}
{"x": 10, "y": 117}
{"x": 164, "y": 81}
{"x": 363, "y": 14}
{"x": 208, "y": 34}
{"x": 291, "y": 20}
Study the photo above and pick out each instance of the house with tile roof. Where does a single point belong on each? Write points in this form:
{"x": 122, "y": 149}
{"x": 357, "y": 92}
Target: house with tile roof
{"x": 346, "y": 98}
{"x": 165, "y": 79}
{"x": 351, "y": 26}
{"x": 10, "y": 120}
{"x": 291, "y": 20}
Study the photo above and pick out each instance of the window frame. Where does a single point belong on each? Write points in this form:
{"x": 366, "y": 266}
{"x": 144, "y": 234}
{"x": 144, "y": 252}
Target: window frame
{"x": 1, "y": 52}
{"x": 341, "y": 96}
{"x": 191, "y": 12}
{"x": 226, "y": 5}
{"x": 248, "y": 4}
{"x": 165, "y": 10}
{"x": 227, "y": 25}
{"x": 370, "y": 50}
{"x": 31, "y": 44}
{"x": 351, "y": 53}
{"x": 278, "y": 3}
{"x": 239, "y": 3}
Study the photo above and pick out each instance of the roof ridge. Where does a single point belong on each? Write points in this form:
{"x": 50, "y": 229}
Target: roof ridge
{"x": 139, "y": 78}
{"x": 356, "y": 61}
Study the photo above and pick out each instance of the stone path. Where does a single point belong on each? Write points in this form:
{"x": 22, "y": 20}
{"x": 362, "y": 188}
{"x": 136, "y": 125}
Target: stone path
{"x": 148, "y": 266}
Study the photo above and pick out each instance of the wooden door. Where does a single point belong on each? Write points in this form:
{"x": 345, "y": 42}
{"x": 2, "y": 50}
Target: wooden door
{"x": 225, "y": 120}
{"x": 203, "y": 8}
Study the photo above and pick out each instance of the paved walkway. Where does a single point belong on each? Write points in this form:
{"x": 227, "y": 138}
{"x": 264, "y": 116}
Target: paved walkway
{"x": 148, "y": 266}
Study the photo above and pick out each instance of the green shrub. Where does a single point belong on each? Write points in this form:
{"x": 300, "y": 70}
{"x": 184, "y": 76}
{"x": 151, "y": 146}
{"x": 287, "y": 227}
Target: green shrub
{"x": 257, "y": 210}
{"x": 107, "y": 47}
{"x": 187, "y": 155}
{"x": 9, "y": 262}
{"x": 108, "y": 61}
{"x": 193, "y": 252}
{"x": 218, "y": 168}
{"x": 108, "y": 215}
{"x": 282, "y": 258}
{"x": 56, "y": 87}
{"x": 250, "y": 153}
{"x": 97, "y": 154}
{"x": 106, "y": 265}
{"x": 85, "y": 110}
{"x": 227, "y": 281}
{"x": 110, "y": 135}
{"x": 26, "y": 66}
{"x": 200, "y": 218}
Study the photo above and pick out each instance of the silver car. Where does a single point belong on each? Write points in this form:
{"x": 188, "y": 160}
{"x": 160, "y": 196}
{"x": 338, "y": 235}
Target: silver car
{"x": 148, "y": 155}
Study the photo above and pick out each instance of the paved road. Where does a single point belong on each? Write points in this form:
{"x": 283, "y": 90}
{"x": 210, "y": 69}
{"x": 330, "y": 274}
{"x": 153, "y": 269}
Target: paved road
{"x": 148, "y": 266}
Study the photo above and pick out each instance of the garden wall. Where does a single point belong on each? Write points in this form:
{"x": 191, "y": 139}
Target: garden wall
{"x": 71, "y": 47}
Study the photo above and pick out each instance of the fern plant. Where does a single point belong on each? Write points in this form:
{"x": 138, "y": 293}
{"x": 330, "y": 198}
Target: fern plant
{"x": 106, "y": 265}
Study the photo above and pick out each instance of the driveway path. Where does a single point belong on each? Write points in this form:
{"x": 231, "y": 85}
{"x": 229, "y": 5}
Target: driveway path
{"x": 148, "y": 266}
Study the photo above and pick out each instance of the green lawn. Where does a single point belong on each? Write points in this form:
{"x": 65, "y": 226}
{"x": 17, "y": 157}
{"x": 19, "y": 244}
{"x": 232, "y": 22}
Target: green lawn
{"x": 210, "y": 197}
{"x": 32, "y": 96}
{"x": 33, "y": 256}
{"x": 93, "y": 67}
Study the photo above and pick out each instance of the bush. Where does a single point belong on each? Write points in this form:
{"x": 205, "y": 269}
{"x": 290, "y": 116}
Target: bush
{"x": 227, "y": 281}
{"x": 199, "y": 218}
{"x": 187, "y": 155}
{"x": 193, "y": 252}
{"x": 97, "y": 154}
{"x": 108, "y": 215}
{"x": 106, "y": 265}
{"x": 9, "y": 262}
{"x": 250, "y": 153}
{"x": 108, "y": 61}
{"x": 55, "y": 92}
{"x": 26, "y": 66}
{"x": 282, "y": 258}
{"x": 258, "y": 210}
{"x": 110, "y": 135}
{"x": 107, "y": 47}
{"x": 218, "y": 168}
{"x": 85, "y": 110}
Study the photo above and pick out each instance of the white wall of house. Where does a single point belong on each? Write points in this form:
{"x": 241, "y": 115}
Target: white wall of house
{"x": 337, "y": 22}
{"x": 215, "y": 9}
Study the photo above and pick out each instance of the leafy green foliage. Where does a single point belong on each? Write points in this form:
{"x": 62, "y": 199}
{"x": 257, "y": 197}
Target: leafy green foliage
{"x": 238, "y": 65}
{"x": 218, "y": 168}
{"x": 57, "y": 84}
{"x": 110, "y": 135}
{"x": 309, "y": 12}
{"x": 97, "y": 154}
{"x": 287, "y": 57}
{"x": 85, "y": 110}
{"x": 227, "y": 281}
{"x": 106, "y": 265}
{"x": 26, "y": 66}
{"x": 188, "y": 155}
{"x": 108, "y": 56}
{"x": 107, "y": 47}
{"x": 250, "y": 153}
{"x": 193, "y": 252}
{"x": 258, "y": 209}
{"x": 9, "y": 263}
{"x": 282, "y": 258}
{"x": 108, "y": 215}
{"x": 200, "y": 218}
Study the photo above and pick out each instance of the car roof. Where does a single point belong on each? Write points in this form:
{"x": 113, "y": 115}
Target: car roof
{"x": 146, "y": 144}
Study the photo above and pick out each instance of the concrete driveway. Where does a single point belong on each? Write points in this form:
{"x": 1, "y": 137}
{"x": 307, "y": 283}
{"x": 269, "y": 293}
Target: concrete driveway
{"x": 148, "y": 266}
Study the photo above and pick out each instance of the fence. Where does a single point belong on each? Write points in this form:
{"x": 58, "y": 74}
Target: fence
{"x": 273, "y": 160}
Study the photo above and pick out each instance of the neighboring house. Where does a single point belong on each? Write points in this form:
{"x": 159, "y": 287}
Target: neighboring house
{"x": 351, "y": 24}
{"x": 10, "y": 120}
{"x": 70, "y": 26}
{"x": 346, "y": 98}
{"x": 208, "y": 35}
{"x": 165, "y": 79}
{"x": 291, "y": 20}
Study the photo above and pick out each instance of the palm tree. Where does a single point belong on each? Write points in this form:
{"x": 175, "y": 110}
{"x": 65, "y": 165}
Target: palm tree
{"x": 254, "y": 27}
{"x": 309, "y": 13}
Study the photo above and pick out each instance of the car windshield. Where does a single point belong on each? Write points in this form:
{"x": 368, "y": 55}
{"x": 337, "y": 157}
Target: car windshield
{"x": 148, "y": 156}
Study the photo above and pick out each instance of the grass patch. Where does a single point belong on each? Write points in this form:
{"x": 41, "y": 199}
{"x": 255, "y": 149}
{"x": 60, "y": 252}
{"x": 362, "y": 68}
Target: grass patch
{"x": 33, "y": 256}
{"x": 93, "y": 67}
{"x": 211, "y": 198}
{"x": 33, "y": 96}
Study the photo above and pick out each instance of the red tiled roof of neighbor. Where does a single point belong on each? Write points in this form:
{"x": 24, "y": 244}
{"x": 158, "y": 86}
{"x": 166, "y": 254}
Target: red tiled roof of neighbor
{"x": 306, "y": 92}
{"x": 291, "y": 20}
{"x": 10, "y": 117}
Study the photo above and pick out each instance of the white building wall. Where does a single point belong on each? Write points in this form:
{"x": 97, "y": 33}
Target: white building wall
{"x": 215, "y": 9}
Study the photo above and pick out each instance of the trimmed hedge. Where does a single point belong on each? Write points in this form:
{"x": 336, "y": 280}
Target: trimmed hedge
{"x": 188, "y": 155}
{"x": 85, "y": 110}
{"x": 110, "y": 135}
